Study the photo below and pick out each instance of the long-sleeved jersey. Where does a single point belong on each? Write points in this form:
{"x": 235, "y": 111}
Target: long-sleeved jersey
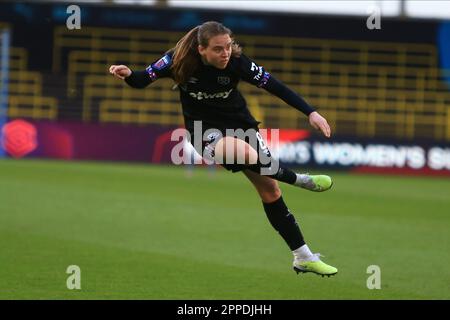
{"x": 211, "y": 94}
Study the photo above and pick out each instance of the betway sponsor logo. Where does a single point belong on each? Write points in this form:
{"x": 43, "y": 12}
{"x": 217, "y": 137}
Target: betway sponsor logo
{"x": 203, "y": 95}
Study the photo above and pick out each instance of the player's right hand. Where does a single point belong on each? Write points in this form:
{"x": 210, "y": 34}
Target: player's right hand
{"x": 320, "y": 123}
{"x": 120, "y": 71}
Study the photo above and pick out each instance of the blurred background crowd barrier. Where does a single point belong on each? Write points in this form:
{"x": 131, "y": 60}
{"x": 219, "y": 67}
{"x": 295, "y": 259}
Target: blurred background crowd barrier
{"x": 385, "y": 92}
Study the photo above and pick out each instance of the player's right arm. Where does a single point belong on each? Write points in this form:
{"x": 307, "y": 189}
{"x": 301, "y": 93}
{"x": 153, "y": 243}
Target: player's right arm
{"x": 142, "y": 78}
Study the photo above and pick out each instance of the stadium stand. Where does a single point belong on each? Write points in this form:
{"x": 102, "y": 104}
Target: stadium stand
{"x": 368, "y": 89}
{"x": 25, "y": 96}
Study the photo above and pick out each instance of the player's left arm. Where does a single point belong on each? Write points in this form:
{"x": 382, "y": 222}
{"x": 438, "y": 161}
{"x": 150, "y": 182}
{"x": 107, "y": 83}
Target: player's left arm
{"x": 258, "y": 76}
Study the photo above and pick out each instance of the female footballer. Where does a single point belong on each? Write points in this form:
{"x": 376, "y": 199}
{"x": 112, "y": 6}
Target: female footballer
{"x": 206, "y": 65}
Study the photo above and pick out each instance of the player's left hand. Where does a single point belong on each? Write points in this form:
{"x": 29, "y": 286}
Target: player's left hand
{"x": 320, "y": 123}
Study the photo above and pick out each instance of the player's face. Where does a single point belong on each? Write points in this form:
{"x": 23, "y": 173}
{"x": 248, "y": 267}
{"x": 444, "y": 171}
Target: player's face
{"x": 218, "y": 51}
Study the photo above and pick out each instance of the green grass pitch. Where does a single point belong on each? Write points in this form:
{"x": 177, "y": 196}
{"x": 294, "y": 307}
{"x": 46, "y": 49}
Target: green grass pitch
{"x": 152, "y": 232}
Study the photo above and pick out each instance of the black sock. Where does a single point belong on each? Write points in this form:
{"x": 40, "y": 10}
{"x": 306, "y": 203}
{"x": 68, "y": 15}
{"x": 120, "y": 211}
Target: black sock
{"x": 282, "y": 174}
{"x": 284, "y": 222}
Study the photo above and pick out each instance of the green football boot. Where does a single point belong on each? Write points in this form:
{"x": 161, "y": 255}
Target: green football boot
{"x": 314, "y": 265}
{"x": 316, "y": 183}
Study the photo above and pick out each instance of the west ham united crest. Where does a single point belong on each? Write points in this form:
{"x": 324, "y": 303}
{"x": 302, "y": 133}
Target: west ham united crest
{"x": 223, "y": 80}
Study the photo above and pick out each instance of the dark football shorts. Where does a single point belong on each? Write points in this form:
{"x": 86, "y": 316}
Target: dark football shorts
{"x": 252, "y": 137}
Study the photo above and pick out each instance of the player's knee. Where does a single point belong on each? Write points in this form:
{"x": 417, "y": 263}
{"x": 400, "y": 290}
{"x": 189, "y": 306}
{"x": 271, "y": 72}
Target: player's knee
{"x": 245, "y": 153}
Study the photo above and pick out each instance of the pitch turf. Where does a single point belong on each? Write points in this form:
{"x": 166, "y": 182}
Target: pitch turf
{"x": 150, "y": 232}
